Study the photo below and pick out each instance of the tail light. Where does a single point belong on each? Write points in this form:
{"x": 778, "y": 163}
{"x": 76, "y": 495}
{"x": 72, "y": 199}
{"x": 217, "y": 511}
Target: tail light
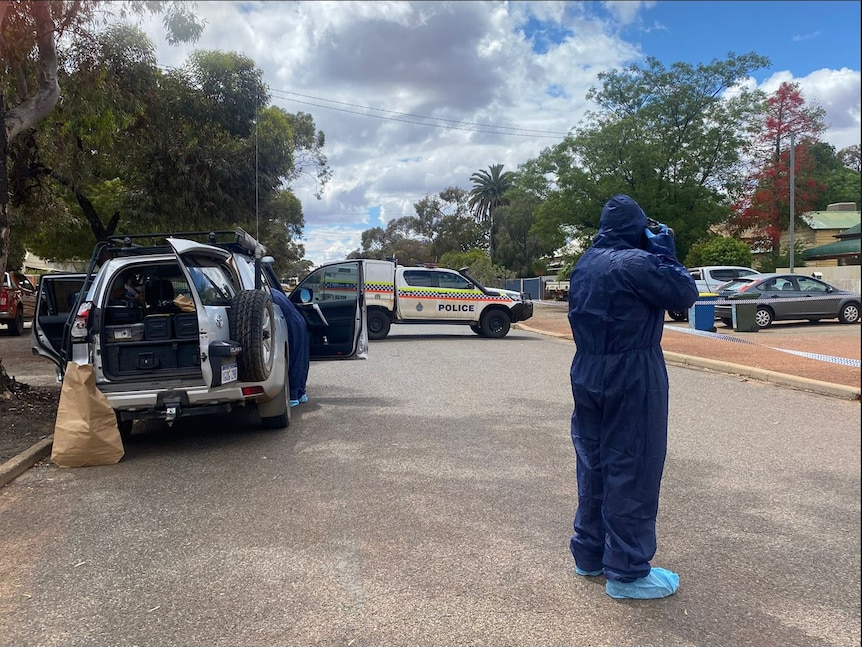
{"x": 82, "y": 320}
{"x": 4, "y": 296}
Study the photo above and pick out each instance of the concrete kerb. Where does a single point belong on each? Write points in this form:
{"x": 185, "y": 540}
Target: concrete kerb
{"x": 763, "y": 375}
{"x": 17, "y": 465}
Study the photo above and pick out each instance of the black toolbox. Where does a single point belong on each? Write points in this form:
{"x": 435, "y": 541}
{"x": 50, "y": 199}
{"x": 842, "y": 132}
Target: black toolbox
{"x": 157, "y": 327}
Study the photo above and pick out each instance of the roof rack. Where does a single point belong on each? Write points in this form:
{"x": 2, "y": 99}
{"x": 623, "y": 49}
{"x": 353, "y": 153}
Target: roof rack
{"x": 129, "y": 245}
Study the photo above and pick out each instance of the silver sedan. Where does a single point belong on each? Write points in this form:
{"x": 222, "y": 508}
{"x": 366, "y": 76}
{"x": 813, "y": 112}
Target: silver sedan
{"x": 785, "y": 297}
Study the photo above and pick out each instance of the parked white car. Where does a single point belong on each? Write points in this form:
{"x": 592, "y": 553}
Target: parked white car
{"x": 709, "y": 278}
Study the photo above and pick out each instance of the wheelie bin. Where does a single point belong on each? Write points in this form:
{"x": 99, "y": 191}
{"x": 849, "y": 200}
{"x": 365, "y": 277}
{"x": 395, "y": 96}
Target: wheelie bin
{"x": 743, "y": 317}
{"x": 701, "y": 315}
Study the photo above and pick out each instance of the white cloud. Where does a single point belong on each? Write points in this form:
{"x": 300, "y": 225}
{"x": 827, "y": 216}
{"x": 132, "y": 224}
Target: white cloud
{"x": 526, "y": 65}
{"x": 837, "y": 92}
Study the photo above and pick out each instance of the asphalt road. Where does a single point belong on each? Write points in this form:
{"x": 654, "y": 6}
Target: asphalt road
{"x": 424, "y": 497}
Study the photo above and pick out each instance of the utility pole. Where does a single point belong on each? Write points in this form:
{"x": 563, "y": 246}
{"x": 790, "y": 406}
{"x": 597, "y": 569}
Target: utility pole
{"x": 792, "y": 196}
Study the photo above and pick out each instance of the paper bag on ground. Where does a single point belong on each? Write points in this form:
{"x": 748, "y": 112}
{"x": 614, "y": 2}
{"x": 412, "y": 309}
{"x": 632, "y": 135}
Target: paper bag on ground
{"x": 86, "y": 431}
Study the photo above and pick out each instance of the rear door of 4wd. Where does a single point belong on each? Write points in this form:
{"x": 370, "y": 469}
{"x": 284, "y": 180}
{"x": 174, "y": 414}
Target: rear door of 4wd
{"x": 332, "y": 300}
{"x": 212, "y": 317}
{"x": 54, "y": 303}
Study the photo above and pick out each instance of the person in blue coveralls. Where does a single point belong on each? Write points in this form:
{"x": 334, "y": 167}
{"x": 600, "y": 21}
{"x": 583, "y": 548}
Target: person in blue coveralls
{"x": 297, "y": 343}
{"x": 619, "y": 292}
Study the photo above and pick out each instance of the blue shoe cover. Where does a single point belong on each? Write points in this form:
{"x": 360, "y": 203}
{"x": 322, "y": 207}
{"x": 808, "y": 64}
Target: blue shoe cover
{"x": 304, "y": 398}
{"x": 660, "y": 583}
{"x": 294, "y": 403}
{"x": 580, "y": 571}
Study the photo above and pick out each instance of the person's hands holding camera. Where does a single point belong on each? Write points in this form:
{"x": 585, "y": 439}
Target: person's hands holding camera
{"x": 659, "y": 239}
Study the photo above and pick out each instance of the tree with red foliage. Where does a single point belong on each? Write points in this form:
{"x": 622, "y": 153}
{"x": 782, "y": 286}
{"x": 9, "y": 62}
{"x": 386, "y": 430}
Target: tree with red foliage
{"x": 763, "y": 212}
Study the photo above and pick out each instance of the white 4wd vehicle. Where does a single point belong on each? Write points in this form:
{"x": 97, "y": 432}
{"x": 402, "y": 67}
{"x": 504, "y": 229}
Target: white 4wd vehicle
{"x": 181, "y": 328}
{"x": 709, "y": 278}
{"x": 395, "y": 294}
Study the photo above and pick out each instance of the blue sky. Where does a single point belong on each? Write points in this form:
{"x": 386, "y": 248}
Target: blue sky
{"x": 525, "y": 66}
{"x": 797, "y": 36}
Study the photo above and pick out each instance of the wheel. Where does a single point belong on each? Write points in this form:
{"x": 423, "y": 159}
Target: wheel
{"x": 275, "y": 413}
{"x": 253, "y": 326}
{"x": 849, "y": 313}
{"x": 495, "y": 323}
{"x": 763, "y": 317}
{"x": 379, "y": 323}
{"x": 727, "y": 322}
{"x": 125, "y": 427}
{"x": 678, "y": 315}
{"x": 476, "y": 328}
{"x": 16, "y": 325}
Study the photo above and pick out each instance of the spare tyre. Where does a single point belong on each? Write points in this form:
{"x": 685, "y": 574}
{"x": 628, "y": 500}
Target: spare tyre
{"x": 253, "y": 326}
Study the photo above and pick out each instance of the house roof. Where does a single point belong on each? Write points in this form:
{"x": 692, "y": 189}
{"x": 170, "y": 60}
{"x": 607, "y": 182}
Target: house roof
{"x": 847, "y": 247}
{"x": 831, "y": 219}
{"x": 854, "y": 231}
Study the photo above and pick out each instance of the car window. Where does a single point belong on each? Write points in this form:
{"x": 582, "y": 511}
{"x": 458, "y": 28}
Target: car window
{"x": 24, "y": 282}
{"x": 453, "y": 281}
{"x": 811, "y": 285}
{"x": 735, "y": 286}
{"x": 723, "y": 275}
{"x": 784, "y": 285}
{"x": 213, "y": 282}
{"x": 333, "y": 282}
{"x": 5, "y": 280}
{"x": 771, "y": 285}
{"x": 420, "y": 278}
{"x": 745, "y": 272}
{"x": 59, "y": 296}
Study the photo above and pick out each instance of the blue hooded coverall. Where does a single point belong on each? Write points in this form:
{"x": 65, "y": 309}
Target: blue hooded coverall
{"x": 618, "y": 294}
{"x": 297, "y": 345}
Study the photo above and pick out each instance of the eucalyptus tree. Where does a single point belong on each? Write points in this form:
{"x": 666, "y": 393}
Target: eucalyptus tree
{"x": 442, "y": 223}
{"x": 30, "y": 37}
{"x": 671, "y": 138}
{"x": 138, "y": 150}
{"x": 519, "y": 248}
{"x": 487, "y": 194}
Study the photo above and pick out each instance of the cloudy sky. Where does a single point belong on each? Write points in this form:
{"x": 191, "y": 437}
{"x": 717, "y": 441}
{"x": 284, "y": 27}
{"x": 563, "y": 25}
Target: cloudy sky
{"x": 414, "y": 97}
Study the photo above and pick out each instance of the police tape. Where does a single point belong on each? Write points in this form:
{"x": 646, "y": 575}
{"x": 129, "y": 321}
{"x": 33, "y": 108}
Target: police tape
{"x": 772, "y": 299}
{"x": 843, "y": 361}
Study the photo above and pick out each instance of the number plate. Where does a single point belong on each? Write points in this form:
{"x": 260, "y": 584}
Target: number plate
{"x": 228, "y": 373}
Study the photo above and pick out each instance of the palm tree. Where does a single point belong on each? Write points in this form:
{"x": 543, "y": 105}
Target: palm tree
{"x": 486, "y": 195}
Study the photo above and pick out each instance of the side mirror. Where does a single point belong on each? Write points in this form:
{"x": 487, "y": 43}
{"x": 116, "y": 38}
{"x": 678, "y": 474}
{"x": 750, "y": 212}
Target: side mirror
{"x": 268, "y": 260}
{"x": 305, "y": 295}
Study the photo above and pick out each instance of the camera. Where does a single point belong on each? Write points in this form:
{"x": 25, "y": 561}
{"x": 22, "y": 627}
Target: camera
{"x": 656, "y": 227}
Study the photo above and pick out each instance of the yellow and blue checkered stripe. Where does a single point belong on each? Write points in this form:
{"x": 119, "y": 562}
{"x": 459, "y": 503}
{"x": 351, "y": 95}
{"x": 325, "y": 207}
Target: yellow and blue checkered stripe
{"x": 449, "y": 294}
{"x": 380, "y": 287}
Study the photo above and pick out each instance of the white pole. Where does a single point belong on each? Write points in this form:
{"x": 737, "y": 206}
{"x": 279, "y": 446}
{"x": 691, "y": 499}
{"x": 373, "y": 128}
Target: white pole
{"x": 792, "y": 196}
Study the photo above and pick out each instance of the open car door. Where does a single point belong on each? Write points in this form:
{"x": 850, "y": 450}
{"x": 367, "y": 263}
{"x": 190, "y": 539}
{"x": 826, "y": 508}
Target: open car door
{"x": 332, "y": 300}
{"x": 55, "y": 301}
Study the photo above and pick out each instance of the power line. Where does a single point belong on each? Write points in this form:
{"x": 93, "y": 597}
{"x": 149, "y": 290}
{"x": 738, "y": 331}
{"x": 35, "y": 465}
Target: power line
{"x": 467, "y": 126}
{"x": 410, "y": 114}
{"x": 474, "y": 129}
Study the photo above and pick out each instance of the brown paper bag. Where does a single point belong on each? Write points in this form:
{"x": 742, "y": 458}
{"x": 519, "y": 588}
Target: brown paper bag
{"x": 184, "y": 303}
{"x": 86, "y": 431}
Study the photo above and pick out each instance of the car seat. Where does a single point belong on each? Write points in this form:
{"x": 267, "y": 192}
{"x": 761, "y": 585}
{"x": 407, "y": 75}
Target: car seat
{"x": 159, "y": 295}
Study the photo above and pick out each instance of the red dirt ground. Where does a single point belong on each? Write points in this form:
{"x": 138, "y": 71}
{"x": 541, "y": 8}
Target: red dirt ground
{"x": 824, "y": 338}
